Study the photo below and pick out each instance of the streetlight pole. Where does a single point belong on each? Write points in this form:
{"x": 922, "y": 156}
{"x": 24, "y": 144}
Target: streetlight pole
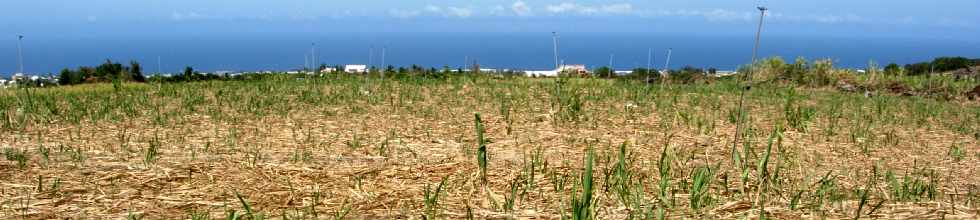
{"x": 20, "y": 55}
{"x": 383, "y": 67}
{"x": 649, "y": 63}
{"x": 748, "y": 81}
{"x": 554, "y": 36}
{"x": 315, "y": 67}
{"x": 670, "y": 52}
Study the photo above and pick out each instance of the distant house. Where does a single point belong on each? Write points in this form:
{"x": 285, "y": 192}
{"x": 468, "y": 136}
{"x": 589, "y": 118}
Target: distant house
{"x": 328, "y": 70}
{"x": 573, "y": 69}
{"x": 721, "y": 73}
{"x": 355, "y": 68}
{"x": 18, "y": 77}
{"x": 541, "y": 72}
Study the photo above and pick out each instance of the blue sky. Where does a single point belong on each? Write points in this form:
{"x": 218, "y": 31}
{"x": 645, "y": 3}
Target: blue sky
{"x": 952, "y": 19}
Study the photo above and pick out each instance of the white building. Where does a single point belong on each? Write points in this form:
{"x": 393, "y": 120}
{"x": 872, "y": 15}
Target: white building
{"x": 721, "y": 73}
{"x": 623, "y": 72}
{"x": 328, "y": 70}
{"x": 567, "y": 69}
{"x": 355, "y": 68}
{"x": 575, "y": 68}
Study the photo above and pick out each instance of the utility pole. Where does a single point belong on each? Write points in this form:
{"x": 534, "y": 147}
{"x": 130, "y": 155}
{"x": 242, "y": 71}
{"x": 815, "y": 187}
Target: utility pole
{"x": 159, "y": 66}
{"x": 611, "y": 60}
{"x": 612, "y": 71}
{"x": 314, "y": 66}
{"x": 748, "y": 82}
{"x": 554, "y": 36}
{"x": 649, "y": 57}
{"x": 383, "y": 67}
{"x": 20, "y": 55}
{"x": 667, "y": 65}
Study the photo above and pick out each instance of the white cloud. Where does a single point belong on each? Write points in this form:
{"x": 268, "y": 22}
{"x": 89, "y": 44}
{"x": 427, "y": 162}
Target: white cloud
{"x": 178, "y": 16}
{"x": 460, "y": 12}
{"x": 450, "y": 11}
{"x": 568, "y": 7}
{"x": 621, "y": 8}
{"x": 433, "y": 9}
{"x": 498, "y": 10}
{"x": 404, "y": 13}
{"x": 520, "y": 8}
{"x": 710, "y": 15}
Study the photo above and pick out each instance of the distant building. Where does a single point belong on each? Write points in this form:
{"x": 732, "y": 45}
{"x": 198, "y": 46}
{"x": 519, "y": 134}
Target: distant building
{"x": 355, "y": 68}
{"x": 623, "y": 72}
{"x": 721, "y": 73}
{"x": 328, "y": 70}
{"x": 573, "y": 69}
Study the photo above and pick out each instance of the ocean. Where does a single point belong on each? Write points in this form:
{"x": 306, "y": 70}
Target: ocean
{"x": 529, "y": 51}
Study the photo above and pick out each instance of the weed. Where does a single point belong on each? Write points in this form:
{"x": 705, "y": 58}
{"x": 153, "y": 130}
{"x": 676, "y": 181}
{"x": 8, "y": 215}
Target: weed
{"x": 700, "y": 187}
{"x": 431, "y": 197}
{"x": 18, "y": 156}
{"x": 583, "y": 207}
{"x": 957, "y": 152}
{"x": 481, "y": 152}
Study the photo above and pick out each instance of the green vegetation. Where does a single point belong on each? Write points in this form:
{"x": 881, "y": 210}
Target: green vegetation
{"x": 418, "y": 145}
{"x": 107, "y": 72}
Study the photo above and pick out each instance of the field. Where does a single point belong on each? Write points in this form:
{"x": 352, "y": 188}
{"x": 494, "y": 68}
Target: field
{"x": 346, "y": 147}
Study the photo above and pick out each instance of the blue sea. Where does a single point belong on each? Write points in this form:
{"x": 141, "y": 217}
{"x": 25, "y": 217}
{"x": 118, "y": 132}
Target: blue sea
{"x": 256, "y": 52}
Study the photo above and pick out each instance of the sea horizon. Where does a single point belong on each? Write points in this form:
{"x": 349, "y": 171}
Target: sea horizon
{"x": 517, "y": 51}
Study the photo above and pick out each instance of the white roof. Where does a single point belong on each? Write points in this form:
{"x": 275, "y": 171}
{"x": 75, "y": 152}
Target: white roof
{"x": 542, "y": 73}
{"x": 355, "y": 66}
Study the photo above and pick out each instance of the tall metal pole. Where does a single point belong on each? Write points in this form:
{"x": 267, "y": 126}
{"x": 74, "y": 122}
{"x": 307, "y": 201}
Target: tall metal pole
{"x": 554, "y": 36}
{"x": 649, "y": 57}
{"x": 20, "y": 55}
{"x": 314, "y": 67}
{"x": 611, "y": 61}
{"x": 667, "y": 65}
{"x": 383, "y": 67}
{"x": 748, "y": 81}
{"x": 159, "y": 66}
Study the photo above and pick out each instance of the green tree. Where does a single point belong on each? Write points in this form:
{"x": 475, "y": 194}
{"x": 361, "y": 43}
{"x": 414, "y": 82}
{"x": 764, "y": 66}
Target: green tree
{"x": 136, "y": 71}
{"x": 64, "y": 78}
{"x": 188, "y": 74}
{"x": 604, "y": 72}
{"x": 943, "y": 64}
{"x": 893, "y": 69}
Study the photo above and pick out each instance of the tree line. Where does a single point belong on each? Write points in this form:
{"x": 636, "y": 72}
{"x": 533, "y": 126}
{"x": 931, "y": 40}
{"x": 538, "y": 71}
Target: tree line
{"x": 106, "y": 72}
{"x": 938, "y": 65}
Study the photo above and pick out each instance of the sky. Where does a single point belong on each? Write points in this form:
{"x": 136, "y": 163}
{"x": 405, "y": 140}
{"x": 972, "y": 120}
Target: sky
{"x": 949, "y": 19}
